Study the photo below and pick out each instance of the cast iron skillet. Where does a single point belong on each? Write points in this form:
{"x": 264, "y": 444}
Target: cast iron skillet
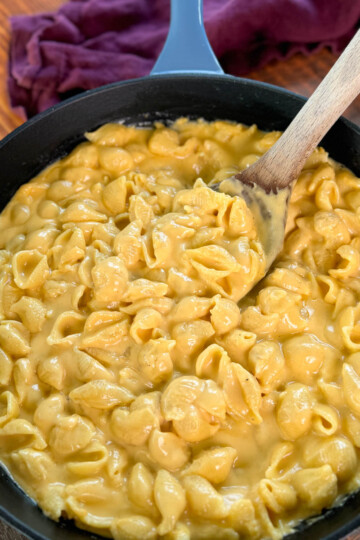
{"x": 186, "y": 81}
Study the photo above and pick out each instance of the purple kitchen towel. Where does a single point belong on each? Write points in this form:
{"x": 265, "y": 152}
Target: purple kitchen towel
{"x": 88, "y": 43}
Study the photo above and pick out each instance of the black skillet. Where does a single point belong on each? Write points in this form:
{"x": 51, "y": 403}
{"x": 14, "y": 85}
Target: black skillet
{"x": 186, "y": 81}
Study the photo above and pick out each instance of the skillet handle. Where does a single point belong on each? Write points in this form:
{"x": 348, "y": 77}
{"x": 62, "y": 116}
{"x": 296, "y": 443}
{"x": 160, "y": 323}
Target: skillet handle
{"x": 187, "y": 48}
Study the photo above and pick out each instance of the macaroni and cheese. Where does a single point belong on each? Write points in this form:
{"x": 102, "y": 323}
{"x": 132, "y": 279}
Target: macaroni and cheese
{"x": 144, "y": 393}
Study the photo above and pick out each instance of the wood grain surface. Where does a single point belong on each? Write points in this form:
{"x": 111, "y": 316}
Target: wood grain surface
{"x": 299, "y": 74}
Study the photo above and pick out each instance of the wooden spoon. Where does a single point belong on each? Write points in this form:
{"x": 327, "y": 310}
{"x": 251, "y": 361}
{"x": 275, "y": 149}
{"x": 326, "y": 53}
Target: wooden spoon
{"x": 267, "y": 184}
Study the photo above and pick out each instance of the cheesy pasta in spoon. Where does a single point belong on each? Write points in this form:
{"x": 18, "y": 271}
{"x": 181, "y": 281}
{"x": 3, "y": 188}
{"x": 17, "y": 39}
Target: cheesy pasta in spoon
{"x": 144, "y": 393}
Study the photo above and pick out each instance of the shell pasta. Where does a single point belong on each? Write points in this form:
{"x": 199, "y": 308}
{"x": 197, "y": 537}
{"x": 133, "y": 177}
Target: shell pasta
{"x": 147, "y": 390}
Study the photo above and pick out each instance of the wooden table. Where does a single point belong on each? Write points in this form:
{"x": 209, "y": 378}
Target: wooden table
{"x": 298, "y": 74}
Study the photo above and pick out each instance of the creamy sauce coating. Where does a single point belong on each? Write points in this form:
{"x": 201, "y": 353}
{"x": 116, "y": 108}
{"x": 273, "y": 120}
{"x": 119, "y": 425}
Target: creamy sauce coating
{"x": 144, "y": 393}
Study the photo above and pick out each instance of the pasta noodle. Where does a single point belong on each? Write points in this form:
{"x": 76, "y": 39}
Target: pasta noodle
{"x": 147, "y": 390}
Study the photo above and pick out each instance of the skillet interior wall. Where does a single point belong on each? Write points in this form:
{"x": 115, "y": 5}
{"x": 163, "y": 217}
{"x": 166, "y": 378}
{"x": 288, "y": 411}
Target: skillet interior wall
{"x": 54, "y": 133}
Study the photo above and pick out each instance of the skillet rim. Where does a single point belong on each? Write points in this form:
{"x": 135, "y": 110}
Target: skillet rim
{"x": 172, "y": 76}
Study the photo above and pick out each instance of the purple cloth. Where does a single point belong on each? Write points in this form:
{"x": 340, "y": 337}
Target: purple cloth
{"x": 88, "y": 43}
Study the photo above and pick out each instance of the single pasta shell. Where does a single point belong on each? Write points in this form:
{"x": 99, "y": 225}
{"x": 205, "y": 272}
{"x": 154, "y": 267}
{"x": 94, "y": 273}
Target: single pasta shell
{"x": 101, "y": 394}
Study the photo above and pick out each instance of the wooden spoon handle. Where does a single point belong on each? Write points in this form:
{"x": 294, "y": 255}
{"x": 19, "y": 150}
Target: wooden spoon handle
{"x": 282, "y": 164}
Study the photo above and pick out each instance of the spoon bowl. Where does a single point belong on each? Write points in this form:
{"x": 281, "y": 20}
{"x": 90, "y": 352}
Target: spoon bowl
{"x": 269, "y": 211}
